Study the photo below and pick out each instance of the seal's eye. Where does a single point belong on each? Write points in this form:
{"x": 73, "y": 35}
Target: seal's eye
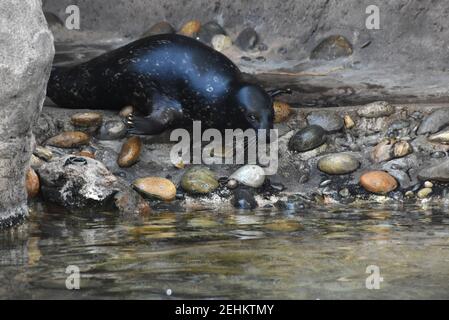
{"x": 252, "y": 117}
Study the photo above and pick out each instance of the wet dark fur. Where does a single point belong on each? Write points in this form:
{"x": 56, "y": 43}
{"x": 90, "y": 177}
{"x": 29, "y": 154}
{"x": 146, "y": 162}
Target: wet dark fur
{"x": 172, "y": 80}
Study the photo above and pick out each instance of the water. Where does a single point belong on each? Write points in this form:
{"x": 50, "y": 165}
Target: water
{"x": 319, "y": 253}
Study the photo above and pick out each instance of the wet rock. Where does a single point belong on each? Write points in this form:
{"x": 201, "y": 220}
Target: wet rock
{"x": 376, "y": 110}
{"x": 162, "y": 27}
{"x": 221, "y": 42}
{"x": 130, "y": 152}
{"x": 331, "y": 48}
{"x": 440, "y": 137}
{"x": 402, "y": 149}
{"x": 77, "y": 183}
{"x": 428, "y": 184}
{"x": 156, "y": 187}
{"x": 244, "y": 199}
{"x": 307, "y": 139}
{"x": 87, "y": 119}
{"x": 112, "y": 130}
{"x": 129, "y": 202}
{"x": 191, "y": 28}
{"x": 232, "y": 184}
{"x": 199, "y": 180}
{"x": 36, "y": 162}
{"x": 344, "y": 192}
{"x": 69, "y": 139}
{"x": 209, "y": 30}
{"x": 32, "y": 183}
{"x": 247, "y": 39}
{"x": 339, "y": 163}
{"x": 126, "y": 111}
{"x": 327, "y": 120}
{"x": 379, "y": 182}
{"x": 438, "y": 154}
{"x": 43, "y": 153}
{"x": 26, "y": 55}
{"x": 382, "y": 152}
{"x": 424, "y": 193}
{"x": 282, "y": 111}
{"x": 439, "y": 172}
{"x": 249, "y": 175}
{"x": 349, "y": 123}
{"x": 435, "y": 121}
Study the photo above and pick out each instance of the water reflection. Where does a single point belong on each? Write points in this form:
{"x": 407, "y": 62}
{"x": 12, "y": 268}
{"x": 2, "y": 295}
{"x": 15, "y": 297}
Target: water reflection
{"x": 317, "y": 253}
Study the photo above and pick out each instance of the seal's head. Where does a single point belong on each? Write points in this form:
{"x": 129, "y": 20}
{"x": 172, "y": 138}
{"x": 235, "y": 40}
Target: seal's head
{"x": 256, "y": 106}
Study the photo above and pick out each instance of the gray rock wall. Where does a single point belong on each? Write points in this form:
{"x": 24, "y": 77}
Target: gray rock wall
{"x": 26, "y": 53}
{"x": 404, "y": 61}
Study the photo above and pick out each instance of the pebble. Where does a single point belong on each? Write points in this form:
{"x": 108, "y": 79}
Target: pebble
{"x": 126, "y": 111}
{"x": 156, "y": 187}
{"x": 424, "y": 193}
{"x": 428, "y": 184}
{"x": 112, "y": 130}
{"x": 232, "y": 184}
{"x": 191, "y": 28}
{"x": 434, "y": 122}
{"x": 339, "y": 163}
{"x": 199, "y": 180}
{"x": 244, "y": 199}
{"x": 331, "y": 48}
{"x": 221, "y": 42}
{"x": 249, "y": 175}
{"x": 36, "y": 162}
{"x": 378, "y": 182}
{"x": 307, "y": 139}
{"x": 329, "y": 121}
{"x": 43, "y": 153}
{"x": 130, "y": 152}
{"x": 383, "y": 151}
{"x": 409, "y": 194}
{"x": 438, "y": 154}
{"x": 86, "y": 153}
{"x": 440, "y": 137}
{"x": 162, "y": 27}
{"x": 69, "y": 139}
{"x": 87, "y": 119}
{"x": 349, "y": 123}
{"x": 401, "y": 149}
{"x": 209, "y": 30}
{"x": 282, "y": 111}
{"x": 376, "y": 110}
{"x": 247, "y": 39}
{"x": 32, "y": 183}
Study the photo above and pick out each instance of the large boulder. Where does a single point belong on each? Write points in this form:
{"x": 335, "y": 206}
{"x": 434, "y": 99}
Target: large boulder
{"x": 82, "y": 183}
{"x": 26, "y": 53}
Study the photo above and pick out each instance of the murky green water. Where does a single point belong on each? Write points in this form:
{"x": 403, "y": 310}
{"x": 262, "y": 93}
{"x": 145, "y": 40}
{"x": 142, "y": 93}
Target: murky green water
{"x": 313, "y": 254}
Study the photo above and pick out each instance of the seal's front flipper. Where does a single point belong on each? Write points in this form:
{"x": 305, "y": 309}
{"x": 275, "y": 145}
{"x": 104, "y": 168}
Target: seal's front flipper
{"x": 145, "y": 125}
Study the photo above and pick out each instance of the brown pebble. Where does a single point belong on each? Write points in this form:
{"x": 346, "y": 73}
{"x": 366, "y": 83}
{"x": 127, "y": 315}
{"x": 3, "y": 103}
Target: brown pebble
{"x": 282, "y": 111}
{"x": 191, "y": 28}
{"x": 126, "y": 111}
{"x": 69, "y": 139}
{"x": 156, "y": 187}
{"x": 85, "y": 153}
{"x": 32, "y": 183}
{"x": 383, "y": 151}
{"x": 130, "y": 152}
{"x": 87, "y": 119}
{"x": 378, "y": 182}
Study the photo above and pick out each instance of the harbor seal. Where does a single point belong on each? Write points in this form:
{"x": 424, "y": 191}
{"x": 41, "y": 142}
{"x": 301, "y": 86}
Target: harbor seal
{"x": 172, "y": 80}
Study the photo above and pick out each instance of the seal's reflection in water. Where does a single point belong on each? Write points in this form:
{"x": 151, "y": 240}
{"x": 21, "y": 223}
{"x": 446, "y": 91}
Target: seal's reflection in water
{"x": 316, "y": 253}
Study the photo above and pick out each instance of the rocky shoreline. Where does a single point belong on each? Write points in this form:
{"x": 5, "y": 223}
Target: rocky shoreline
{"x": 375, "y": 153}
